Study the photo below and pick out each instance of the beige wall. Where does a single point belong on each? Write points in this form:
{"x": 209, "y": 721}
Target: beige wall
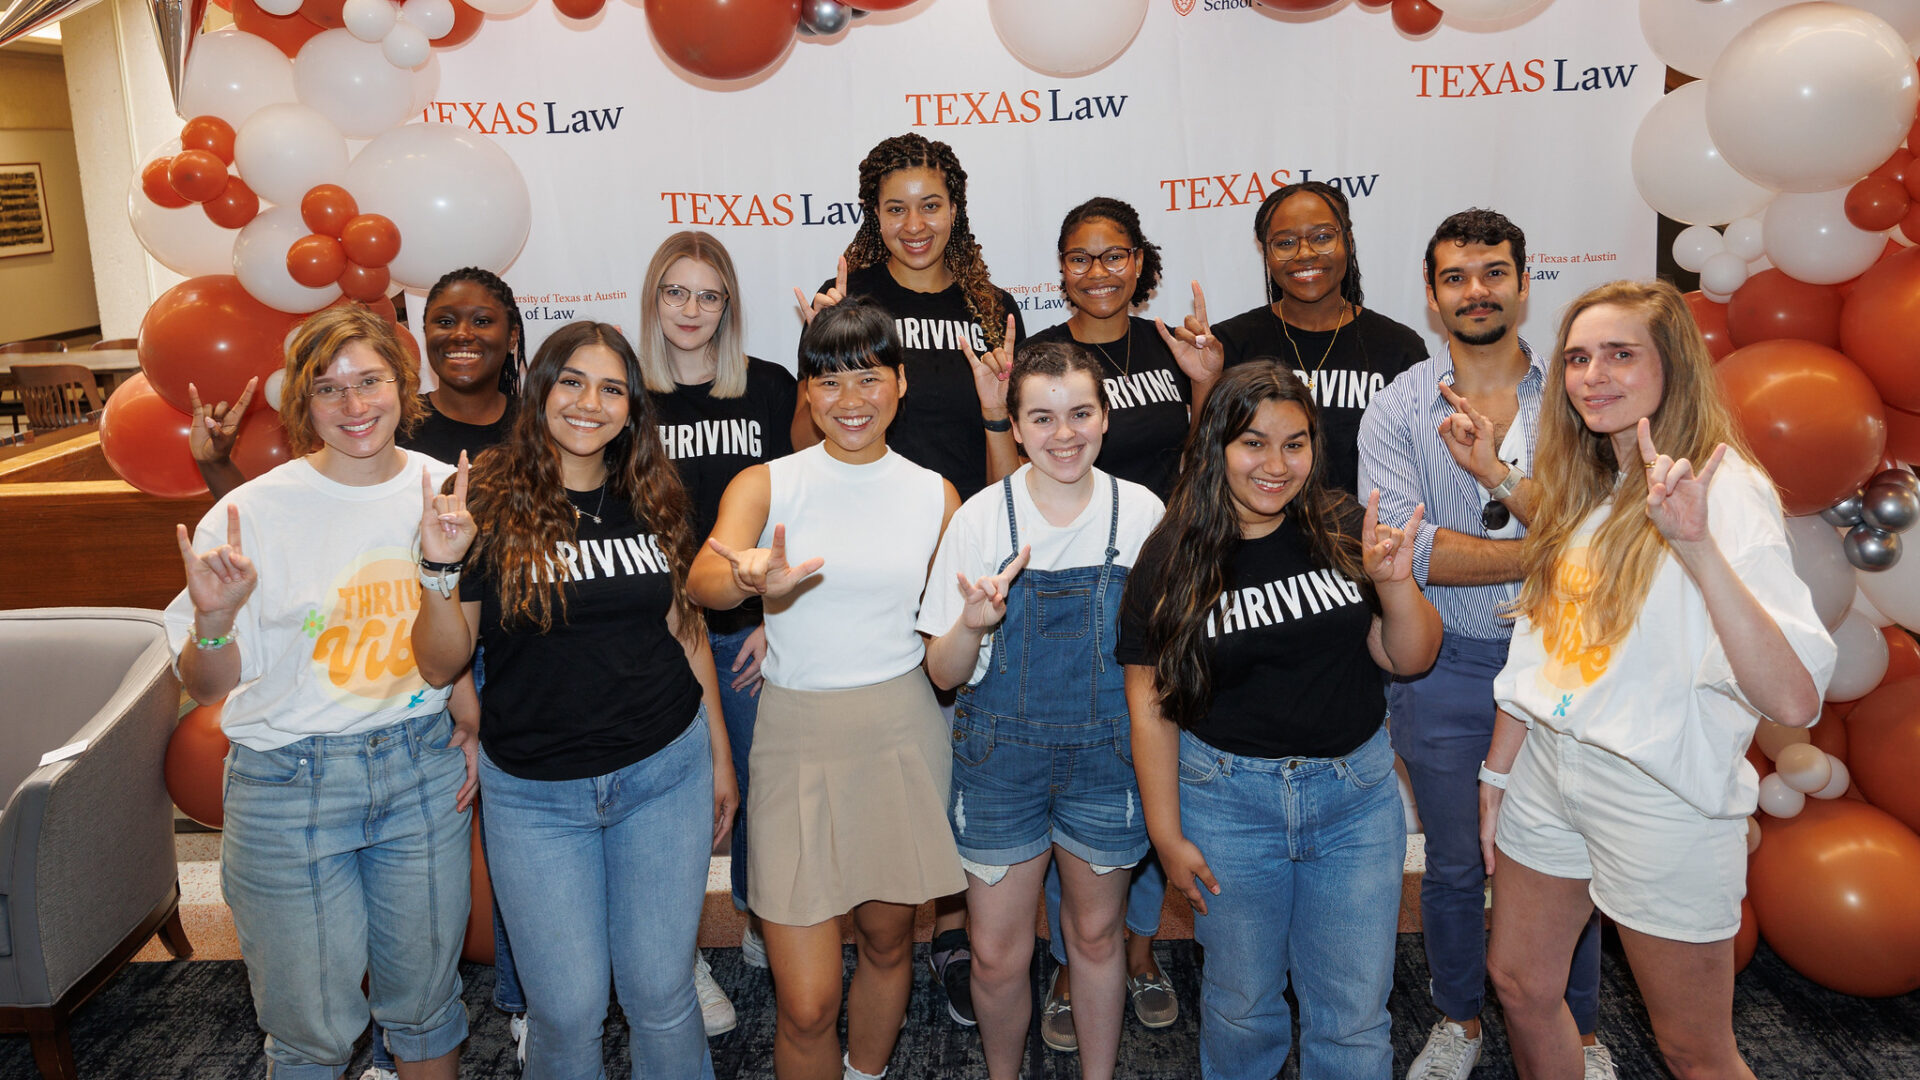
{"x": 51, "y": 293}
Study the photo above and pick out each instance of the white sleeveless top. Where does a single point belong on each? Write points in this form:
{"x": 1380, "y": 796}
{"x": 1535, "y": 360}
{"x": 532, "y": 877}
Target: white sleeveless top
{"x": 877, "y": 526}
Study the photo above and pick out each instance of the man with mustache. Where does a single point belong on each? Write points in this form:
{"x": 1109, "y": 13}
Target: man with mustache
{"x": 1456, "y": 432}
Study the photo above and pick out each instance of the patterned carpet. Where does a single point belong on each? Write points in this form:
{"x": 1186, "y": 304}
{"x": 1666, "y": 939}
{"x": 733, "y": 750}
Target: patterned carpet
{"x": 194, "y": 1021}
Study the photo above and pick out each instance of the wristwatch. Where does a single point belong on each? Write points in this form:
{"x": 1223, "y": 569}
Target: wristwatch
{"x": 1507, "y": 486}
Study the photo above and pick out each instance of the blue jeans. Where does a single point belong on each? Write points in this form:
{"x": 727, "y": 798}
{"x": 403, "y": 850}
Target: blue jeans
{"x": 602, "y": 880}
{"x": 1308, "y": 854}
{"x": 739, "y": 710}
{"x": 1145, "y": 897}
{"x": 1442, "y": 726}
{"x": 343, "y": 856}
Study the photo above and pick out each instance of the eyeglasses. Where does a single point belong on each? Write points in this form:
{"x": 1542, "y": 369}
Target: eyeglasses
{"x": 334, "y": 396}
{"x": 676, "y": 295}
{"x": 1285, "y": 248}
{"x": 1115, "y": 259}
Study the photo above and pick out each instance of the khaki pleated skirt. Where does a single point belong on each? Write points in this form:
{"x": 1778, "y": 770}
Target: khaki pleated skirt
{"x": 848, "y": 800}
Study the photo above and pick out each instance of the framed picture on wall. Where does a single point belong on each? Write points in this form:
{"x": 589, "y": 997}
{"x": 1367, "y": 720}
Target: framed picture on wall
{"x": 24, "y": 228}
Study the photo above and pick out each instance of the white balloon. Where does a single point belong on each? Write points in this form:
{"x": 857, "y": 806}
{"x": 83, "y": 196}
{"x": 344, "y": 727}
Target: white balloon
{"x": 1821, "y": 562}
{"x": 353, "y": 83}
{"x": 369, "y": 20}
{"x": 426, "y": 83}
{"x": 1691, "y": 34}
{"x": 1861, "y": 659}
{"x": 434, "y": 17}
{"x": 1723, "y": 274}
{"x": 1865, "y": 607}
{"x": 1812, "y": 97}
{"x": 286, "y": 149}
{"x": 260, "y": 262}
{"x": 1678, "y": 169}
{"x": 1695, "y": 245}
{"x": 406, "y": 47}
{"x": 456, "y": 197}
{"x": 1841, "y": 780}
{"x": 1753, "y": 834}
{"x": 1895, "y": 591}
{"x": 183, "y": 240}
{"x": 1745, "y": 238}
{"x": 270, "y": 390}
{"x": 1066, "y": 37}
{"x": 1779, "y": 800}
{"x": 282, "y": 8}
{"x": 1810, "y": 239}
{"x": 1805, "y": 768}
{"x": 1754, "y": 266}
{"x": 231, "y": 74}
{"x": 1716, "y": 297}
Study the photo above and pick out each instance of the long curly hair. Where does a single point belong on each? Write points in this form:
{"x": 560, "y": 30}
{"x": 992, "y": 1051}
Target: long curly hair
{"x": 962, "y": 255}
{"x": 1127, "y": 219}
{"x": 1195, "y": 541}
{"x": 520, "y": 504}
{"x": 1336, "y": 201}
{"x": 488, "y": 280}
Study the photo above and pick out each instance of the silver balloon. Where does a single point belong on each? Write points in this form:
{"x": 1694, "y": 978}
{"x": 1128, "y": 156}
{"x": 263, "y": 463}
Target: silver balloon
{"x": 824, "y": 17}
{"x": 26, "y": 16}
{"x": 1871, "y": 549}
{"x": 1893, "y": 507}
{"x": 1846, "y": 512}
{"x": 1896, "y": 476}
{"x": 176, "y": 26}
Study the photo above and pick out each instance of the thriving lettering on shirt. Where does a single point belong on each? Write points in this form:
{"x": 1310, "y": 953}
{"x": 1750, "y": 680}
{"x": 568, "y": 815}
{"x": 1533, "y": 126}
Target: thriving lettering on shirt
{"x": 918, "y": 333}
{"x": 1295, "y": 597}
{"x": 1342, "y": 388}
{"x": 618, "y": 556}
{"x": 1144, "y": 388}
{"x": 706, "y": 437}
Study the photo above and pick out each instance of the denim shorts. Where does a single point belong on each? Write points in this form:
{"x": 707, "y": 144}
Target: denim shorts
{"x": 1020, "y": 788}
{"x": 343, "y": 856}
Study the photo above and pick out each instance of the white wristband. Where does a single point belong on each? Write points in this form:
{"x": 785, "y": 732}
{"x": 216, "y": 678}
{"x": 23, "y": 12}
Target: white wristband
{"x": 442, "y": 581}
{"x": 1491, "y": 778}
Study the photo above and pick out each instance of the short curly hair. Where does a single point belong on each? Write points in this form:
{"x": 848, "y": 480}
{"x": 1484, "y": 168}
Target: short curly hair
{"x": 311, "y": 350}
{"x": 1101, "y": 208}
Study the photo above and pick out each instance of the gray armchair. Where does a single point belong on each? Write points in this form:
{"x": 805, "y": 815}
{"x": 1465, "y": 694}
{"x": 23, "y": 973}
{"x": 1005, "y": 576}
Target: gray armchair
{"x": 87, "y": 870}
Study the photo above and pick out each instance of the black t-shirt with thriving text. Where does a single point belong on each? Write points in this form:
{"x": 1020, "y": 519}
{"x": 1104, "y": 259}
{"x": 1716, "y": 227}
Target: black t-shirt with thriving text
{"x": 442, "y": 438}
{"x": 1287, "y": 642}
{"x": 711, "y": 439}
{"x": 608, "y": 685}
{"x": 1148, "y": 396}
{"x": 938, "y": 426}
{"x": 1360, "y": 359}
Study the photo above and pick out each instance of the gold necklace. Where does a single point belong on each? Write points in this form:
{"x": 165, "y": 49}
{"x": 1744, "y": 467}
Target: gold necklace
{"x": 1126, "y": 368}
{"x": 1315, "y": 374}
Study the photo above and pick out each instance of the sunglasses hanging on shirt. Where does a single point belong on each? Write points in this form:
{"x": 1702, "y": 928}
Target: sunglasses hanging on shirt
{"x": 1495, "y": 516}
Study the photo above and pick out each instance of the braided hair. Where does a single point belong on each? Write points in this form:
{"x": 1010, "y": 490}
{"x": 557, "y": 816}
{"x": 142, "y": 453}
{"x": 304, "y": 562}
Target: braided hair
{"x": 962, "y": 255}
{"x": 488, "y": 280}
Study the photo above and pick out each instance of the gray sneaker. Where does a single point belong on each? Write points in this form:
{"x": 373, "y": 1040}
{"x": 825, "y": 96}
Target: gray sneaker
{"x": 1599, "y": 1063}
{"x": 1153, "y": 1002}
{"x": 1056, "y": 1020}
{"x": 1448, "y": 1055}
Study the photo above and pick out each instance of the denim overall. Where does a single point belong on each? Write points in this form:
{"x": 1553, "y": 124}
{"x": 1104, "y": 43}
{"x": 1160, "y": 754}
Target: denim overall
{"x": 1041, "y": 752}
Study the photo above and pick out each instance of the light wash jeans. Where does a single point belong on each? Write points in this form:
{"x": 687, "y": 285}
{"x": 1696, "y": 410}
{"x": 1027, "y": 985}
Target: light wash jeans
{"x": 343, "y": 856}
{"x": 602, "y": 880}
{"x": 1308, "y": 855}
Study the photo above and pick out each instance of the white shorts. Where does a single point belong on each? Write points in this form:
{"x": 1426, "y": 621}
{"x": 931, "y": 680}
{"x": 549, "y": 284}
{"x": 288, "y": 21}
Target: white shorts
{"x": 1651, "y": 861}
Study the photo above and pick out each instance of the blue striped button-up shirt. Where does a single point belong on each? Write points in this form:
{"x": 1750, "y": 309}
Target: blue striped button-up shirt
{"x": 1402, "y": 455}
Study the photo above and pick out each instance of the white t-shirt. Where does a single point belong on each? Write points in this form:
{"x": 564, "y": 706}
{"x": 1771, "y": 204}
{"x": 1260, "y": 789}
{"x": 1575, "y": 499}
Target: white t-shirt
{"x": 326, "y": 639}
{"x": 1664, "y": 697}
{"x": 977, "y": 543}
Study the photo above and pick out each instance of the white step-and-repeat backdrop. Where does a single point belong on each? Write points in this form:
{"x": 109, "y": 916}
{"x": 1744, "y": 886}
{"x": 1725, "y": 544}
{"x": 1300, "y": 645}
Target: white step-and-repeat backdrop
{"x": 1215, "y": 104}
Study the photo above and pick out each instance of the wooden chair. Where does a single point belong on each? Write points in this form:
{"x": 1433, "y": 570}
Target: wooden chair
{"x": 55, "y": 395}
{"x": 46, "y": 345}
{"x": 116, "y": 343}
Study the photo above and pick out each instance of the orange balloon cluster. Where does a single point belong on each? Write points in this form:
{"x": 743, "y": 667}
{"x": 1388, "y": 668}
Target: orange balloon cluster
{"x": 198, "y": 174}
{"x": 346, "y": 247}
{"x": 196, "y": 765}
{"x": 289, "y": 32}
{"x": 1883, "y": 740}
{"x": 145, "y": 440}
{"x": 715, "y": 39}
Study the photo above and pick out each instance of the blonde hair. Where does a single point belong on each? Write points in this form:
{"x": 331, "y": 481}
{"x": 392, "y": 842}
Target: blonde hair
{"x": 728, "y": 345}
{"x": 1577, "y": 471}
{"x": 311, "y": 350}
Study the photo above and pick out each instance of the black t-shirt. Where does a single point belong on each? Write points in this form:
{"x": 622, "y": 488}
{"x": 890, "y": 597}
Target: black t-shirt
{"x": 442, "y": 438}
{"x": 938, "y": 426}
{"x": 1148, "y": 395}
{"x": 608, "y": 685}
{"x": 1292, "y": 676}
{"x": 1362, "y": 357}
{"x": 711, "y": 439}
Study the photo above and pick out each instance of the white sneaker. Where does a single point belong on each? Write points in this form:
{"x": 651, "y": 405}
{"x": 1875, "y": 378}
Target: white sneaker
{"x": 517, "y": 1029}
{"x": 716, "y": 1012}
{"x": 1448, "y": 1055}
{"x": 753, "y": 947}
{"x": 1599, "y": 1063}
{"x": 373, "y": 1073}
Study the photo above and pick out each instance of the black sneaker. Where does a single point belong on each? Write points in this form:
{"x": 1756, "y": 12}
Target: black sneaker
{"x": 952, "y": 967}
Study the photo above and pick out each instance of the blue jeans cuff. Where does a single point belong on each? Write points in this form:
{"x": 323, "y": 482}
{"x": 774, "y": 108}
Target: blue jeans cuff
{"x": 443, "y": 1035}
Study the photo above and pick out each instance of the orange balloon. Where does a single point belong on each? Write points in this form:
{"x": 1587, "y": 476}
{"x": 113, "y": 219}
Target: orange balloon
{"x": 1830, "y": 734}
{"x": 209, "y": 133}
{"x": 579, "y": 9}
{"x": 196, "y": 765}
{"x": 1415, "y": 17}
{"x": 1895, "y": 167}
{"x": 1772, "y": 305}
{"x": 327, "y": 208}
{"x": 260, "y": 445}
{"x": 1883, "y": 735}
{"x": 723, "y": 39}
{"x": 197, "y": 175}
{"x": 466, "y": 23}
{"x": 325, "y": 13}
{"x": 1880, "y": 327}
{"x": 1812, "y": 419}
{"x": 1903, "y": 654}
{"x": 234, "y": 207}
{"x": 1712, "y": 320}
{"x": 153, "y": 181}
{"x": 370, "y": 240}
{"x": 315, "y": 260}
{"x": 1837, "y": 891}
{"x": 145, "y": 440}
{"x": 286, "y": 32}
{"x": 477, "y": 946}
{"x": 1759, "y": 760}
{"x": 1903, "y": 434}
{"x": 209, "y": 331}
{"x": 1877, "y": 203}
{"x": 365, "y": 283}
{"x": 1747, "y": 938}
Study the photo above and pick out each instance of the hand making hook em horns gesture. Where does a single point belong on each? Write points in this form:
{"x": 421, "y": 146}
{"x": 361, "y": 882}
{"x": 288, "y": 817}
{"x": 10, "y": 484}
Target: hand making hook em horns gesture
{"x": 990, "y": 371}
{"x": 219, "y": 581}
{"x": 1199, "y": 354}
{"x": 1676, "y": 495}
{"x": 1469, "y": 436}
{"x": 215, "y": 426}
{"x": 446, "y": 526}
{"x": 823, "y": 300}
{"x": 987, "y": 597}
{"x": 765, "y": 571}
{"x": 1387, "y": 552}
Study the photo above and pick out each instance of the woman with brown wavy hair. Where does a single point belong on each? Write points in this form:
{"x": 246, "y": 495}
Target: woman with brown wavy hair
{"x": 1659, "y": 619}
{"x": 604, "y": 761}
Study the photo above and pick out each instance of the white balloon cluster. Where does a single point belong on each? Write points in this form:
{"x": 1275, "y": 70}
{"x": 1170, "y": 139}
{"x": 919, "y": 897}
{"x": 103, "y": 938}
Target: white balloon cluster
{"x": 1801, "y": 771}
{"x": 403, "y": 30}
{"x": 1724, "y": 259}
